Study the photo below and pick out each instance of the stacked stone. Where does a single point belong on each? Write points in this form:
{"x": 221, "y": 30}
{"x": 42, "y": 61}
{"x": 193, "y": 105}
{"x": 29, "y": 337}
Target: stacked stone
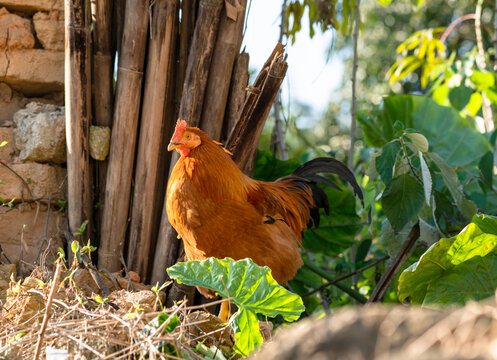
{"x": 32, "y": 129}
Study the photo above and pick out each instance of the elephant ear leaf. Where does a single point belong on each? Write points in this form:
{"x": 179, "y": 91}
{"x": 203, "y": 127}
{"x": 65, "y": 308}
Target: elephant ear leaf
{"x": 249, "y": 286}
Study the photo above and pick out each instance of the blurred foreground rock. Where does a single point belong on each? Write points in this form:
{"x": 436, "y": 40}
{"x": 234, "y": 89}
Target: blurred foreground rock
{"x": 390, "y": 333}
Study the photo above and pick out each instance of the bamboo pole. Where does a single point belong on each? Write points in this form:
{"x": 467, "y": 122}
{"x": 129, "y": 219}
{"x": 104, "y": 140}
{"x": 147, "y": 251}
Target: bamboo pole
{"x": 149, "y": 183}
{"x": 123, "y": 137}
{"x": 78, "y": 112}
{"x": 188, "y": 15}
{"x": 244, "y": 138}
{"x": 238, "y": 92}
{"x": 103, "y": 91}
{"x": 229, "y": 39}
{"x": 278, "y": 145}
{"x": 118, "y": 23}
{"x": 199, "y": 61}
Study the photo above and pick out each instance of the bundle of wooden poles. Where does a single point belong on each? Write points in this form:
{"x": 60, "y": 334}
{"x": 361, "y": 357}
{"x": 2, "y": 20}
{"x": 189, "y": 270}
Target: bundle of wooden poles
{"x": 174, "y": 60}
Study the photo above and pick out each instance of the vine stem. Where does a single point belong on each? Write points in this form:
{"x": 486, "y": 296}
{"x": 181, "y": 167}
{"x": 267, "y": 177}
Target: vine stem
{"x": 351, "y": 292}
{"x": 358, "y": 271}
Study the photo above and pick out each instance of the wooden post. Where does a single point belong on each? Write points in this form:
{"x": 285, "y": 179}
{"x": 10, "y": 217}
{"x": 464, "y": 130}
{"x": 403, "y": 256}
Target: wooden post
{"x": 199, "y": 61}
{"x": 188, "y": 16}
{"x": 123, "y": 136}
{"x": 238, "y": 92}
{"x": 229, "y": 39}
{"x": 78, "y": 112}
{"x": 103, "y": 90}
{"x": 149, "y": 190}
{"x": 244, "y": 137}
{"x": 197, "y": 70}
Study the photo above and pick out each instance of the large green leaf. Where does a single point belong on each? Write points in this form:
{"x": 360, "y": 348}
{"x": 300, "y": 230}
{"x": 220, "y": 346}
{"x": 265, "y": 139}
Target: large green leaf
{"x": 474, "y": 279}
{"x": 459, "y": 96}
{"x": 386, "y": 161}
{"x": 251, "y": 287}
{"x": 402, "y": 200}
{"x": 454, "y": 270}
{"x": 487, "y": 223}
{"x": 336, "y": 232}
{"x": 450, "y": 135}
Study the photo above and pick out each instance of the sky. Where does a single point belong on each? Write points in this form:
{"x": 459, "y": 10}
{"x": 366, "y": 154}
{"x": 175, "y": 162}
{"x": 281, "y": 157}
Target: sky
{"x": 310, "y": 78}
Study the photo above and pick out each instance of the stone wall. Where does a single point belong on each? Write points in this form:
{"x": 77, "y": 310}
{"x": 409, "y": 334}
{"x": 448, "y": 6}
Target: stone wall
{"x": 32, "y": 133}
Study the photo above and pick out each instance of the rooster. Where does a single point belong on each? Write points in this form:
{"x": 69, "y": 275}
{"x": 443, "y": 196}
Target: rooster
{"x": 220, "y": 212}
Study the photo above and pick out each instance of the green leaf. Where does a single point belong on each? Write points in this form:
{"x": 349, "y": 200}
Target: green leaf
{"x": 3, "y": 143}
{"x": 336, "y": 232}
{"x": 482, "y": 80}
{"x": 418, "y": 141}
{"x": 247, "y": 334}
{"x": 474, "y": 279}
{"x": 474, "y": 103}
{"x": 389, "y": 240}
{"x": 251, "y": 287}
{"x": 459, "y": 96}
{"x": 269, "y": 168}
{"x": 427, "y": 182}
{"x": 386, "y": 161}
{"x": 173, "y": 323}
{"x": 402, "y": 200}
{"x": 450, "y": 135}
{"x": 384, "y": 2}
{"x": 467, "y": 207}
{"x": 453, "y": 270}
{"x": 75, "y": 246}
{"x": 486, "y": 166}
{"x": 487, "y": 223}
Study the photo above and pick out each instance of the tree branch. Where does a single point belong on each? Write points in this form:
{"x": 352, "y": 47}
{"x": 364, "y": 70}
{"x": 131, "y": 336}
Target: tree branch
{"x": 351, "y": 292}
{"x": 394, "y": 267}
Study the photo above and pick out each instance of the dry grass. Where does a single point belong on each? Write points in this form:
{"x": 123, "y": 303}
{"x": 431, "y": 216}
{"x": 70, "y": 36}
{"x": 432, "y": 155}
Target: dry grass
{"x": 89, "y": 328}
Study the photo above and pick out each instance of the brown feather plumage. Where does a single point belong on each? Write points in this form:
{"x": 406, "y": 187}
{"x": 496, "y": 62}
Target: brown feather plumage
{"x": 218, "y": 211}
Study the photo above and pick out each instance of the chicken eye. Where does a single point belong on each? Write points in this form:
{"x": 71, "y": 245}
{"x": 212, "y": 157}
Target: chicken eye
{"x": 187, "y": 137}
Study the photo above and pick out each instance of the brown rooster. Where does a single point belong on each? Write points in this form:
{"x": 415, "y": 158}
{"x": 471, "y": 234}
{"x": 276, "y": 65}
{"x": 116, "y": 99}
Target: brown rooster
{"x": 218, "y": 211}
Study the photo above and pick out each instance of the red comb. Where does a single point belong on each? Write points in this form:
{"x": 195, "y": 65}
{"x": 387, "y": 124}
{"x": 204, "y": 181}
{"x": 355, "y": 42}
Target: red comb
{"x": 180, "y": 126}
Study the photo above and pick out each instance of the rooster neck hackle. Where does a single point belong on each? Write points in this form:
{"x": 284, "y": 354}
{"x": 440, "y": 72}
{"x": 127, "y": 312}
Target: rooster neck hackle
{"x": 211, "y": 170}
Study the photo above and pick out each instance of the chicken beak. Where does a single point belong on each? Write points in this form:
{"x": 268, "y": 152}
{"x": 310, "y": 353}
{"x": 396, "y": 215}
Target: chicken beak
{"x": 173, "y": 145}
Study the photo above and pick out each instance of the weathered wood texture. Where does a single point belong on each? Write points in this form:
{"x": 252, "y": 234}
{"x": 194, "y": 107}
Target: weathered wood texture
{"x": 188, "y": 16}
{"x": 237, "y": 94}
{"x": 197, "y": 72}
{"x": 103, "y": 89}
{"x": 118, "y": 23}
{"x": 124, "y": 134}
{"x": 199, "y": 60}
{"x": 228, "y": 43}
{"x": 244, "y": 137}
{"x": 78, "y": 112}
{"x": 150, "y": 184}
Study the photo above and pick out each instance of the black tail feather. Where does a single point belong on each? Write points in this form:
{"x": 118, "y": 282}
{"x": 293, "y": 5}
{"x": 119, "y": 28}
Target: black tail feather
{"x": 310, "y": 169}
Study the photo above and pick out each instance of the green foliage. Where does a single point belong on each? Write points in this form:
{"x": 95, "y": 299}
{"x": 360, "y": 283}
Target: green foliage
{"x": 422, "y": 50}
{"x": 402, "y": 200}
{"x": 441, "y": 125}
{"x": 321, "y": 13}
{"x": 386, "y": 161}
{"x": 335, "y": 232}
{"x": 455, "y": 269}
{"x": 251, "y": 287}
{"x": 269, "y": 168}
